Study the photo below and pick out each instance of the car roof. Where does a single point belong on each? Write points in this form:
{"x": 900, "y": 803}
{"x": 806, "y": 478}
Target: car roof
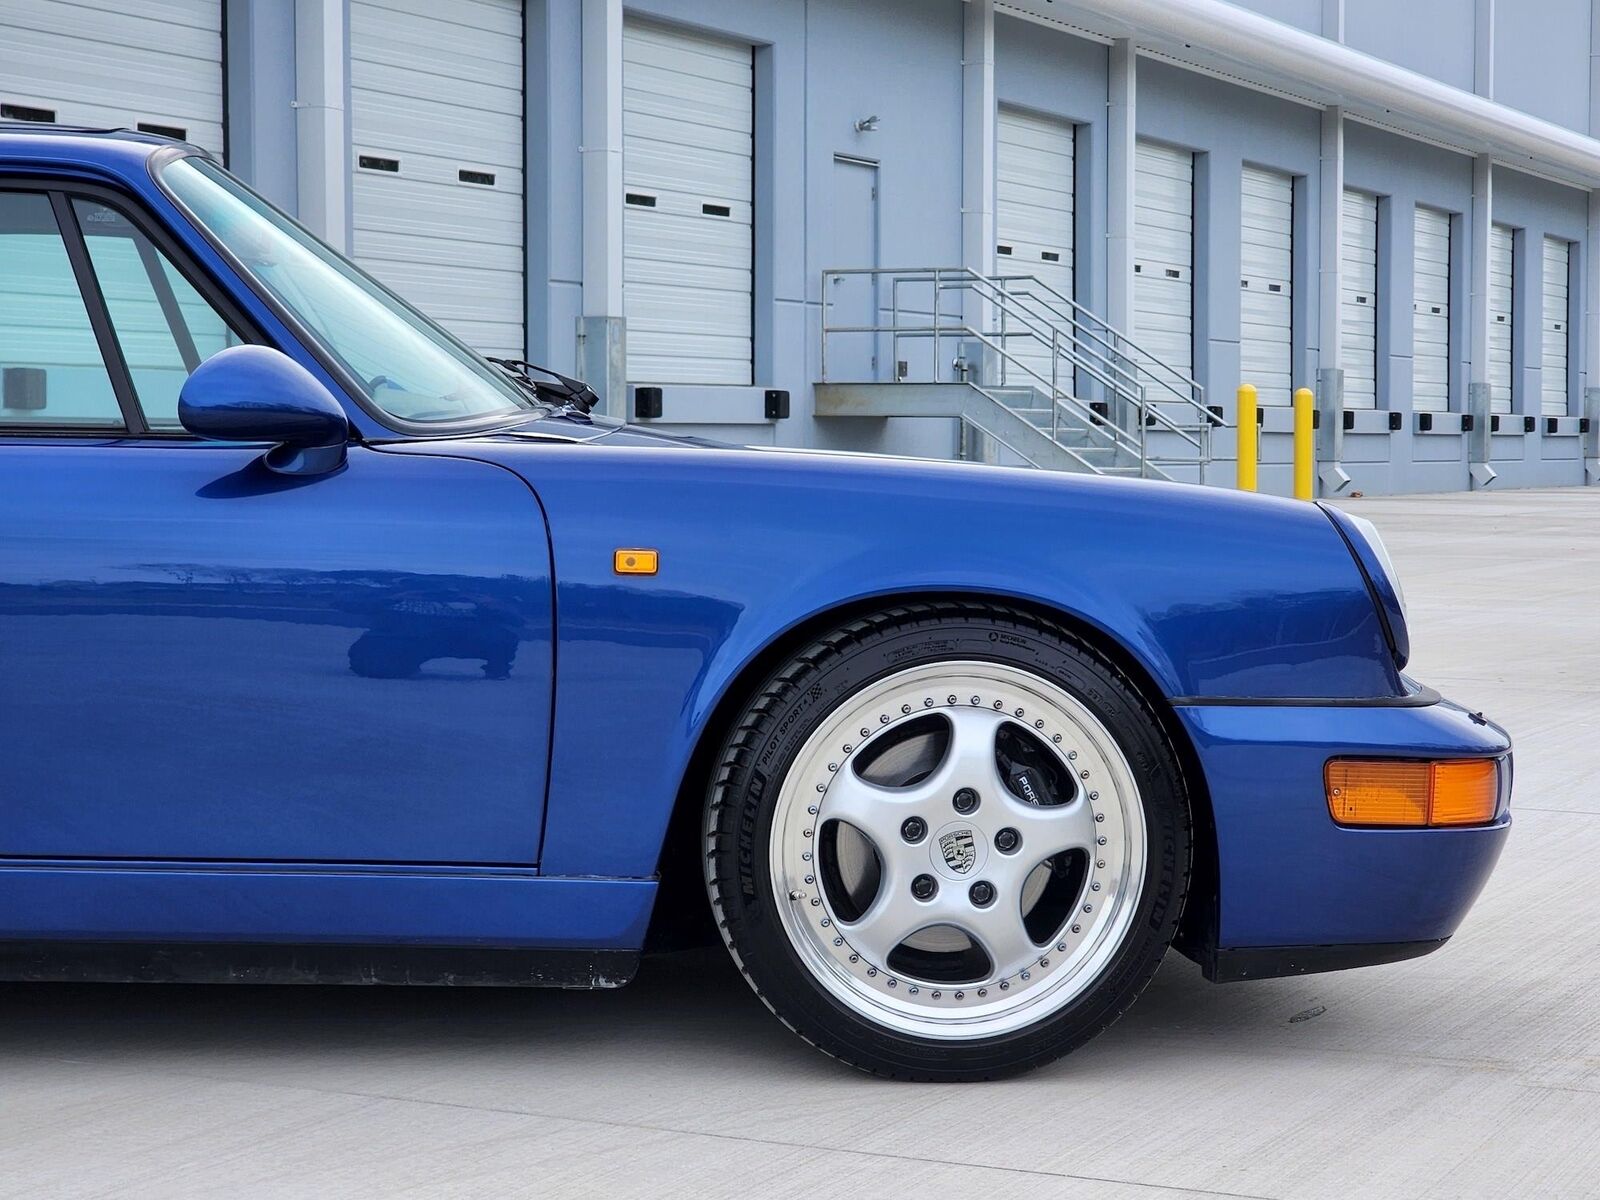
{"x": 34, "y": 129}
{"x": 119, "y": 151}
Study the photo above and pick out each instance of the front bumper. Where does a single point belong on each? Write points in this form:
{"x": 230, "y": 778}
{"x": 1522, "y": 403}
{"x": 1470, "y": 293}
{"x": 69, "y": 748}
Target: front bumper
{"x": 1293, "y": 891}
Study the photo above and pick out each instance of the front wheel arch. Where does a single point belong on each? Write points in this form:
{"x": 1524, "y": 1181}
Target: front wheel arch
{"x": 682, "y": 914}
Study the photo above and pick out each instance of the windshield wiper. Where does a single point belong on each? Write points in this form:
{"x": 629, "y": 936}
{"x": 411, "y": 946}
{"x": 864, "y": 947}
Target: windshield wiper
{"x": 556, "y": 388}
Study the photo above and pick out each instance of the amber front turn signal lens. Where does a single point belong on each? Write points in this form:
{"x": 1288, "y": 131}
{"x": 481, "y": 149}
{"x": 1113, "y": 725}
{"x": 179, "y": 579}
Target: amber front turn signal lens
{"x": 1464, "y": 793}
{"x": 1387, "y": 792}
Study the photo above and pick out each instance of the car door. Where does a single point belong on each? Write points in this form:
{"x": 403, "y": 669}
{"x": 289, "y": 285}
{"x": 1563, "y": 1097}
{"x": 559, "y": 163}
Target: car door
{"x": 201, "y": 660}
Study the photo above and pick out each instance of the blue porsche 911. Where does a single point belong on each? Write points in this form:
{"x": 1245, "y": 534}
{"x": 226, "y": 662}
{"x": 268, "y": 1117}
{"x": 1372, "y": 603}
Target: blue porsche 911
{"x": 334, "y": 652}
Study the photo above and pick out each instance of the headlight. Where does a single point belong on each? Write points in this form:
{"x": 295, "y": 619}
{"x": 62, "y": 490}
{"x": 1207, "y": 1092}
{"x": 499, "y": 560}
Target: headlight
{"x": 1372, "y": 556}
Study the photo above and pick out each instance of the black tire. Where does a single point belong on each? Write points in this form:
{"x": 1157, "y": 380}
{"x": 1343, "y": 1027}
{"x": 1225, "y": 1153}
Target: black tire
{"x": 793, "y": 702}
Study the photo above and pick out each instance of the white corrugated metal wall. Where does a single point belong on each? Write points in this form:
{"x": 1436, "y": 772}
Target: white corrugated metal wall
{"x": 436, "y": 115}
{"x": 155, "y": 65}
{"x": 1163, "y": 254}
{"x": 1502, "y": 316}
{"x": 688, "y": 232}
{"x": 1557, "y": 331}
{"x": 1266, "y": 285}
{"x": 1430, "y": 311}
{"x": 1358, "y": 300}
{"x": 1034, "y": 185}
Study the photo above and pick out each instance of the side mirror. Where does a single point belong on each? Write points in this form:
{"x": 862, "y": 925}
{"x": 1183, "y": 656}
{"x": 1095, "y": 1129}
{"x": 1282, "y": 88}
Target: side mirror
{"x": 257, "y": 394}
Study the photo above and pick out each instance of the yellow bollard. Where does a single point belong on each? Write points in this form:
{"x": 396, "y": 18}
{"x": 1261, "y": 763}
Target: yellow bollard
{"x": 1249, "y": 437}
{"x": 1305, "y": 444}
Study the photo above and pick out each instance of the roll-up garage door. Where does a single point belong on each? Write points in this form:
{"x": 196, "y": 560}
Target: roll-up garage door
{"x": 436, "y": 117}
{"x": 1266, "y": 269}
{"x": 687, "y": 126}
{"x": 1502, "y": 301}
{"x": 1557, "y": 333}
{"x": 1430, "y": 312}
{"x": 1358, "y": 300}
{"x": 155, "y": 66}
{"x": 1163, "y": 255}
{"x": 1034, "y": 182}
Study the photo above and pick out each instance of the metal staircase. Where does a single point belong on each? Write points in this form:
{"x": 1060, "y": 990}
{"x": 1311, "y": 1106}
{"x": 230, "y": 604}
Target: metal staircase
{"x": 1030, "y": 375}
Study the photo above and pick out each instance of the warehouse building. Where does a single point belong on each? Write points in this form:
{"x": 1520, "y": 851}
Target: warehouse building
{"x": 1060, "y": 232}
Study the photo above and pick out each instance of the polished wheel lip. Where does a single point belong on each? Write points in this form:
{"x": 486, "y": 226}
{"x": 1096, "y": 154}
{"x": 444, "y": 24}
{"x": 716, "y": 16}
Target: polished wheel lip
{"x": 1088, "y": 939}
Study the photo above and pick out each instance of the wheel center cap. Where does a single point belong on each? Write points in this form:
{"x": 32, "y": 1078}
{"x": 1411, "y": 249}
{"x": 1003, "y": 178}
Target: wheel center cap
{"x": 958, "y": 850}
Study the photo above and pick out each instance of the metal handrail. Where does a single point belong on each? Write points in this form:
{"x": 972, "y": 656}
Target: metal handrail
{"x": 941, "y": 328}
{"x": 974, "y": 423}
{"x": 1130, "y": 391}
{"x": 1196, "y": 391}
{"x": 1029, "y": 308}
{"x": 1031, "y": 461}
{"x": 1105, "y": 373}
{"x": 1101, "y": 349}
{"x": 1115, "y": 439}
{"x": 1082, "y": 321}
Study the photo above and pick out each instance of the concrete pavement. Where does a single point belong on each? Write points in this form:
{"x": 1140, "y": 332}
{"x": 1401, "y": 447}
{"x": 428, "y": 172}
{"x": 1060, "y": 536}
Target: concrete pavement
{"x": 1473, "y": 1072}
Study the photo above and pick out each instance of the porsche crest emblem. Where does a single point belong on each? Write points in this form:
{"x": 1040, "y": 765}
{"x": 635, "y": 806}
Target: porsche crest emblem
{"x": 959, "y": 849}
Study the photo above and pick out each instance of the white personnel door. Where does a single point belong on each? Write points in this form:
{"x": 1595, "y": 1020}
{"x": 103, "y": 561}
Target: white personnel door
{"x": 1502, "y": 315}
{"x": 1430, "y": 312}
{"x": 1266, "y": 286}
{"x": 155, "y": 66}
{"x": 1557, "y": 331}
{"x": 436, "y": 116}
{"x": 688, "y": 232}
{"x": 1358, "y": 300}
{"x": 1034, "y": 186}
{"x": 1163, "y": 255}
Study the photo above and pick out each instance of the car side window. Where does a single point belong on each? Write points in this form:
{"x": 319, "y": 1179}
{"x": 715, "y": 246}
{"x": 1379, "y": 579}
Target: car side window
{"x": 164, "y": 326}
{"x": 51, "y": 370}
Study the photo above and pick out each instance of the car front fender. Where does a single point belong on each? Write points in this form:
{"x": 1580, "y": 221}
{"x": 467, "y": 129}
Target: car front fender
{"x": 1214, "y": 595}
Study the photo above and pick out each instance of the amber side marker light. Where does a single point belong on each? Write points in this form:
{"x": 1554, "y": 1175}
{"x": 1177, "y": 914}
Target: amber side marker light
{"x": 636, "y": 562}
{"x": 1387, "y": 792}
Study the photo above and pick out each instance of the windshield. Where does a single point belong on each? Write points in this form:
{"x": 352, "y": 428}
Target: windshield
{"x": 405, "y": 364}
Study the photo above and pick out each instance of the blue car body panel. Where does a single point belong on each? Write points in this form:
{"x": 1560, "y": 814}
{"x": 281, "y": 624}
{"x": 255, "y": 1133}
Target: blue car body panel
{"x": 411, "y": 703}
{"x": 294, "y": 904}
{"x": 1212, "y": 594}
{"x": 1290, "y": 876}
{"x": 204, "y": 660}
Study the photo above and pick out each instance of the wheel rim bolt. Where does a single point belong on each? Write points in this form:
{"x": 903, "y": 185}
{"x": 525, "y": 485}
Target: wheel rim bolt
{"x": 965, "y": 800}
{"x": 982, "y": 893}
{"x": 924, "y": 886}
{"x": 914, "y": 829}
{"x": 1007, "y": 840}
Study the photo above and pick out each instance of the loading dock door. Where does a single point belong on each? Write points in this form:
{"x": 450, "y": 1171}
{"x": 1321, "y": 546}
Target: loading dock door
{"x": 1034, "y": 183}
{"x": 1163, "y": 255}
{"x": 436, "y": 118}
{"x": 1430, "y": 312}
{"x": 1358, "y": 300}
{"x": 1266, "y": 269}
{"x": 1502, "y": 308}
{"x": 1557, "y": 331}
{"x": 146, "y": 66}
{"x": 688, "y": 191}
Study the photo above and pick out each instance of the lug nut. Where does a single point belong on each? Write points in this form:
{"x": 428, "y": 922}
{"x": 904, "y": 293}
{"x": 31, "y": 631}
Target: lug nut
{"x": 923, "y": 887}
{"x": 965, "y": 800}
{"x": 982, "y": 893}
{"x": 1007, "y": 840}
{"x": 914, "y": 829}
